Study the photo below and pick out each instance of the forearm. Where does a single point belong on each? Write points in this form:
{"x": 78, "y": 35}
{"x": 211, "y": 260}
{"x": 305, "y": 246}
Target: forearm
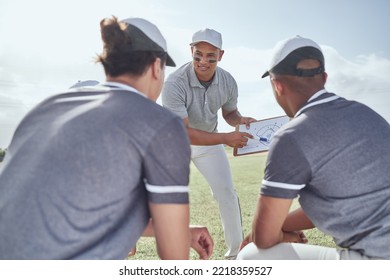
{"x": 268, "y": 220}
{"x": 263, "y": 240}
{"x": 233, "y": 118}
{"x": 297, "y": 220}
{"x": 203, "y": 138}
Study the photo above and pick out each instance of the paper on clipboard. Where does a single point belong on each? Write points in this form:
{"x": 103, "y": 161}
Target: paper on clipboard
{"x": 263, "y": 131}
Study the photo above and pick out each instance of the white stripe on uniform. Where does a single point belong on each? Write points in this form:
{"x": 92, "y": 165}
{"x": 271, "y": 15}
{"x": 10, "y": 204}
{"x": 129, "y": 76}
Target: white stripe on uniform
{"x": 166, "y": 189}
{"x": 283, "y": 185}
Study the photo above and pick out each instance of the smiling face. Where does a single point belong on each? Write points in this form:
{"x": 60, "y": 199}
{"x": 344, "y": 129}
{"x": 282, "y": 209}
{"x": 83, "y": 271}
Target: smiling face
{"x": 205, "y": 60}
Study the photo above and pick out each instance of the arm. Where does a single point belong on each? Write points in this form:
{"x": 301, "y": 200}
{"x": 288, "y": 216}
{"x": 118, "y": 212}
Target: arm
{"x": 234, "y": 118}
{"x": 232, "y": 139}
{"x": 297, "y": 220}
{"x": 269, "y": 219}
{"x": 170, "y": 226}
{"x": 201, "y": 240}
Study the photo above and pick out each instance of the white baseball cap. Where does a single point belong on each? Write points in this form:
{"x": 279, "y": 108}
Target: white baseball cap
{"x": 209, "y": 36}
{"x": 288, "y": 53}
{"x": 146, "y": 37}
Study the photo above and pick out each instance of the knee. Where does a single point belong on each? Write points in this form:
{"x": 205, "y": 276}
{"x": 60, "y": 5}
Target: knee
{"x": 225, "y": 194}
{"x": 248, "y": 252}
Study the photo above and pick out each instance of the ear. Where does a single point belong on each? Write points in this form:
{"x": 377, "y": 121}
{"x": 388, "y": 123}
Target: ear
{"x": 278, "y": 86}
{"x": 221, "y": 52}
{"x": 156, "y": 68}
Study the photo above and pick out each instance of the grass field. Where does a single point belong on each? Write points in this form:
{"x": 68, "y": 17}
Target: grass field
{"x": 247, "y": 175}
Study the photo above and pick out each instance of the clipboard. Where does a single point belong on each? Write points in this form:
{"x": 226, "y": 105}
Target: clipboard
{"x": 263, "y": 131}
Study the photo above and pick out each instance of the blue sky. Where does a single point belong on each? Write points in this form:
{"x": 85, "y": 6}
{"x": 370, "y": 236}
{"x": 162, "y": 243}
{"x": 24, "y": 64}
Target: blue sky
{"x": 46, "y": 46}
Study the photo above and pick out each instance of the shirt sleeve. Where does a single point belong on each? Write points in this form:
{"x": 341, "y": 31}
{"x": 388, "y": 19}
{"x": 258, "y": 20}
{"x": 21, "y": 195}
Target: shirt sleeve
{"x": 287, "y": 170}
{"x": 173, "y": 97}
{"x": 167, "y": 163}
{"x": 231, "y": 103}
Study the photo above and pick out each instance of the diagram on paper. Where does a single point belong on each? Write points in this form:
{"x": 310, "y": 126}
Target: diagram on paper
{"x": 263, "y": 132}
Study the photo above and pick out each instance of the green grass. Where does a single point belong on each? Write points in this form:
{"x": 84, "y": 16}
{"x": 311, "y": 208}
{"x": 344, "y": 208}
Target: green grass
{"x": 247, "y": 174}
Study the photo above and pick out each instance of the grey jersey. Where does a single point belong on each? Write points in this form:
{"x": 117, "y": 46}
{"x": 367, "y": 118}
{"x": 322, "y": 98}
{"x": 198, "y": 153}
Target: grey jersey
{"x": 184, "y": 95}
{"x": 81, "y": 170}
{"x": 335, "y": 155}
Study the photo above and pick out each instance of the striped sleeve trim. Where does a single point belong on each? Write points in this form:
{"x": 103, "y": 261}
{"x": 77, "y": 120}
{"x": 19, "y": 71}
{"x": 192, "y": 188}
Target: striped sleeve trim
{"x": 166, "y": 189}
{"x": 283, "y": 185}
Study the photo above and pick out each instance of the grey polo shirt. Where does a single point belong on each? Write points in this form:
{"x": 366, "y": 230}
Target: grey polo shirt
{"x": 335, "y": 156}
{"x": 81, "y": 170}
{"x": 184, "y": 95}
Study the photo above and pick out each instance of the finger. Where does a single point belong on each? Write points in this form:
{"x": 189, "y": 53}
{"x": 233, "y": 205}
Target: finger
{"x": 209, "y": 248}
{"x": 303, "y": 237}
{"x": 251, "y": 120}
{"x": 202, "y": 250}
{"x": 199, "y": 249}
{"x": 204, "y": 255}
{"x": 208, "y": 245}
{"x": 132, "y": 252}
{"x": 243, "y": 244}
{"x": 246, "y": 134}
{"x": 247, "y": 122}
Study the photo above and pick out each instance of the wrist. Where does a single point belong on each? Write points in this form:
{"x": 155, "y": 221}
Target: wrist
{"x": 222, "y": 137}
